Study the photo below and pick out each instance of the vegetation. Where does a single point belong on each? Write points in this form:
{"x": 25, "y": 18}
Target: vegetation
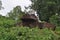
{"x": 9, "y": 32}
{"x": 6, "y": 22}
{"x": 0, "y": 5}
{"x": 16, "y": 13}
{"x": 48, "y": 10}
{"x": 25, "y": 33}
{"x": 55, "y": 19}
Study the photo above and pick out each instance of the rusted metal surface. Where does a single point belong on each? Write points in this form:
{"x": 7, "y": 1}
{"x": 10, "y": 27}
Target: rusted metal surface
{"x": 49, "y": 26}
{"x": 32, "y": 21}
{"x": 28, "y": 16}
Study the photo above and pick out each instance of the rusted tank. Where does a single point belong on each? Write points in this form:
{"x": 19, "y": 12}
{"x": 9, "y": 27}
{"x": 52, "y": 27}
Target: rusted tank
{"x": 30, "y": 20}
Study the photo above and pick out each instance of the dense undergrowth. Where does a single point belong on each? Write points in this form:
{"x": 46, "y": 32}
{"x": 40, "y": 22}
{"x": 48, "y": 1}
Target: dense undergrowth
{"x": 10, "y": 32}
{"x": 26, "y": 33}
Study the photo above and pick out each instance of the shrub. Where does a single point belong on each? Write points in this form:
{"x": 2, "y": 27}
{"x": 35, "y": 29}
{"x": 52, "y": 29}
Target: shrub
{"x": 55, "y": 19}
{"x": 5, "y": 22}
{"x": 25, "y": 33}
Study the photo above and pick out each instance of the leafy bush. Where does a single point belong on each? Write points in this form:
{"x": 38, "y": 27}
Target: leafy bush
{"x": 25, "y": 33}
{"x": 6, "y": 22}
{"x": 9, "y": 32}
{"x": 55, "y": 19}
